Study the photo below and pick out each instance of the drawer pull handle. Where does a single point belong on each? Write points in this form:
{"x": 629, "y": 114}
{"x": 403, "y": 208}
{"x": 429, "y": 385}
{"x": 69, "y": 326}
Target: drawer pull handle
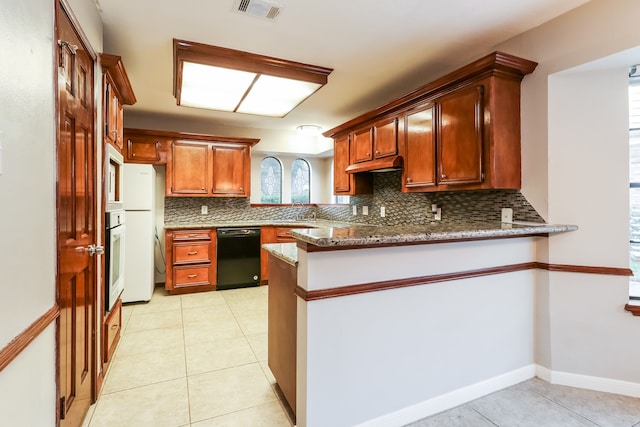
{"x": 192, "y": 276}
{"x": 114, "y": 327}
{"x": 192, "y": 253}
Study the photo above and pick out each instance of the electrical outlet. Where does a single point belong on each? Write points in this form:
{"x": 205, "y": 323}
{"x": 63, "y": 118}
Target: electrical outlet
{"x": 383, "y": 211}
{"x": 437, "y": 216}
{"x": 507, "y": 215}
{"x": 355, "y": 210}
{"x": 204, "y": 209}
{"x": 365, "y": 210}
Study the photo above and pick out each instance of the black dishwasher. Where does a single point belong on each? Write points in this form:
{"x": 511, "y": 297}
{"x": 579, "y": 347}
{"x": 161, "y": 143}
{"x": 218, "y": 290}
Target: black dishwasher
{"x": 238, "y": 257}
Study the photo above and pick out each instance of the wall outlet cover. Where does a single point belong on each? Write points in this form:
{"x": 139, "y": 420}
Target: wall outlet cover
{"x": 507, "y": 215}
{"x": 365, "y": 210}
{"x": 355, "y": 210}
{"x": 383, "y": 211}
{"x": 204, "y": 209}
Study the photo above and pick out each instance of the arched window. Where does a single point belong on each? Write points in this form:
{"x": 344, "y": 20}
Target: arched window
{"x": 270, "y": 180}
{"x": 300, "y": 181}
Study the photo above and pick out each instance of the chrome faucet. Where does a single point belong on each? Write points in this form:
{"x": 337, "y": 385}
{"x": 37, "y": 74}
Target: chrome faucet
{"x": 300, "y": 216}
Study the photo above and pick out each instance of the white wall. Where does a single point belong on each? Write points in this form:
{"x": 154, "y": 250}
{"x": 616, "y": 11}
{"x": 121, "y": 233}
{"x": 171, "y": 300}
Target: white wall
{"x": 27, "y": 199}
{"x": 27, "y": 207}
{"x": 391, "y": 355}
{"x": 574, "y": 152}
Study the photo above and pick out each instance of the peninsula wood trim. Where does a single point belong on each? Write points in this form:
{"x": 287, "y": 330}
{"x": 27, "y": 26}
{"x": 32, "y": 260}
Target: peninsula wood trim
{"x": 633, "y": 309}
{"x": 425, "y": 280}
{"x": 22, "y": 341}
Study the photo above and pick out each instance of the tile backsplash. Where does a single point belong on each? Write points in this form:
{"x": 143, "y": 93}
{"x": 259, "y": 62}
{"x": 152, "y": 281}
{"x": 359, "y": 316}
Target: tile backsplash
{"x": 401, "y": 208}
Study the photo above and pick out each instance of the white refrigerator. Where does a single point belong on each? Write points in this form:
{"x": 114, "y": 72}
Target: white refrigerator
{"x": 138, "y": 192}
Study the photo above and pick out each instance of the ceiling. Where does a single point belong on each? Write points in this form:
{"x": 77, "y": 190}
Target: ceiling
{"x": 379, "y": 49}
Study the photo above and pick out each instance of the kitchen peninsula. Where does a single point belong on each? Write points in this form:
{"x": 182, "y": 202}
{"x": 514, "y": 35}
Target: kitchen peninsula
{"x": 401, "y": 320}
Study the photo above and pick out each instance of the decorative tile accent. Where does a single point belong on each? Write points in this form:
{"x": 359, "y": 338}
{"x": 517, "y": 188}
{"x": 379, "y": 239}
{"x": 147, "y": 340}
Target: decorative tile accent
{"x": 401, "y": 208}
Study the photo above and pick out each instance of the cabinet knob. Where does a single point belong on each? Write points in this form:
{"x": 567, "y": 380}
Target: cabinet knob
{"x": 133, "y": 154}
{"x": 377, "y": 152}
{"x": 443, "y": 176}
{"x": 408, "y": 179}
{"x": 368, "y": 154}
{"x": 202, "y": 188}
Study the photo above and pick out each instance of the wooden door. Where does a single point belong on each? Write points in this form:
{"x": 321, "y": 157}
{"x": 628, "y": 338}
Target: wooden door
{"x": 420, "y": 144}
{"x": 76, "y": 233}
{"x": 460, "y": 136}
{"x": 188, "y": 169}
{"x": 385, "y": 137}
{"x": 230, "y": 172}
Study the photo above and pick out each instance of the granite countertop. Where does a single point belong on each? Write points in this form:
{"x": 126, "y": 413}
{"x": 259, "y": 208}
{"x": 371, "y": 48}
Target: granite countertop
{"x": 433, "y": 232}
{"x": 320, "y": 223}
{"x": 287, "y": 252}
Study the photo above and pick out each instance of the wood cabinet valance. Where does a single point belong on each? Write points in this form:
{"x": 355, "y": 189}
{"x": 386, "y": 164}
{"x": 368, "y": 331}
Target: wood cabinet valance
{"x": 460, "y": 131}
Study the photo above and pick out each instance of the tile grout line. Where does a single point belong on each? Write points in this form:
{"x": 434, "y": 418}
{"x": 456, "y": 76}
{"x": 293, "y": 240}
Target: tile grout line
{"x": 482, "y": 415}
{"x": 184, "y": 354}
{"x": 565, "y": 407}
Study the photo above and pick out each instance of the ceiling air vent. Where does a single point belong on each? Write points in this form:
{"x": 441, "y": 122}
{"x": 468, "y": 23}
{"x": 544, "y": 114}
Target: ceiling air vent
{"x": 261, "y": 8}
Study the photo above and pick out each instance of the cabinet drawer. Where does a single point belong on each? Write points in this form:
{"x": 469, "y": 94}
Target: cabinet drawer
{"x": 191, "y": 276}
{"x": 191, "y": 235}
{"x": 191, "y": 253}
{"x": 112, "y": 326}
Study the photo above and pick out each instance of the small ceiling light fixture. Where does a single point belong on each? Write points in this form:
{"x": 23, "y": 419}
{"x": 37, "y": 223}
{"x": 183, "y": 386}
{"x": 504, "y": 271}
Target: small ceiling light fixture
{"x": 224, "y": 79}
{"x": 309, "y": 130}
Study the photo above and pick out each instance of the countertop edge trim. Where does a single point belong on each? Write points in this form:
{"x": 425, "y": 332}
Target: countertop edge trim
{"x": 425, "y": 280}
{"x": 22, "y": 340}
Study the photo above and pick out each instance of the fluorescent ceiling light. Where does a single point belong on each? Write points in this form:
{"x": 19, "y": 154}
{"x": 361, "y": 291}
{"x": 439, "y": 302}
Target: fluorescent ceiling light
{"x": 229, "y": 80}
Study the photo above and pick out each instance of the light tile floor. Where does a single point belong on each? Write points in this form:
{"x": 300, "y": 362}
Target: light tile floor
{"x": 192, "y": 360}
{"x": 200, "y": 360}
{"x": 536, "y": 403}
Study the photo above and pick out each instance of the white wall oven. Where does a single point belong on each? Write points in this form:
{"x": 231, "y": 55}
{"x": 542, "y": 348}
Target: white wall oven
{"x": 114, "y": 261}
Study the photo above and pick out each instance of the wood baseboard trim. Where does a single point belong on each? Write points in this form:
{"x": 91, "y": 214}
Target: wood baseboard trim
{"x": 425, "y": 280}
{"x": 22, "y": 341}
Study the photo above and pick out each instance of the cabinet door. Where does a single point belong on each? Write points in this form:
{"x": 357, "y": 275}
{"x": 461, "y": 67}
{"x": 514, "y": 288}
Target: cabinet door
{"x": 230, "y": 173}
{"x": 341, "y": 179}
{"x": 189, "y": 169}
{"x": 142, "y": 149}
{"x": 460, "y": 127}
{"x": 420, "y": 145}
{"x": 385, "y": 138}
{"x": 361, "y": 145}
{"x": 111, "y": 113}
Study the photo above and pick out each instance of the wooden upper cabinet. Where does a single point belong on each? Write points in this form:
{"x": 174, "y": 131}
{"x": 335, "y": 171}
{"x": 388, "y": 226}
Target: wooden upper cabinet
{"x": 458, "y": 132}
{"x": 144, "y": 149}
{"x": 385, "y": 137}
{"x": 345, "y": 184}
{"x": 341, "y": 179}
{"x": 231, "y": 173}
{"x": 419, "y": 173}
{"x": 189, "y": 169}
{"x": 460, "y": 136}
{"x": 362, "y": 145}
{"x": 204, "y": 165}
{"x": 375, "y": 141}
{"x": 117, "y": 92}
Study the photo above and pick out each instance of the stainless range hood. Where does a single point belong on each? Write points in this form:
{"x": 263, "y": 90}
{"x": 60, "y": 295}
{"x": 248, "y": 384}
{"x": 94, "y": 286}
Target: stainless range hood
{"x": 384, "y": 164}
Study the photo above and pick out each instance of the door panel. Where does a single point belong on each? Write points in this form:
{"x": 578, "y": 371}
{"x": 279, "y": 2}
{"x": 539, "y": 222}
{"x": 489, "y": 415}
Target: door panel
{"x": 75, "y": 202}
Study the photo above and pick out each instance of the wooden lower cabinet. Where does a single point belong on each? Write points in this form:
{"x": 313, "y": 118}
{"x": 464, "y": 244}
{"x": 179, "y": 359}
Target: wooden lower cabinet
{"x": 282, "y": 327}
{"x": 112, "y": 327}
{"x": 190, "y": 261}
{"x": 272, "y": 234}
